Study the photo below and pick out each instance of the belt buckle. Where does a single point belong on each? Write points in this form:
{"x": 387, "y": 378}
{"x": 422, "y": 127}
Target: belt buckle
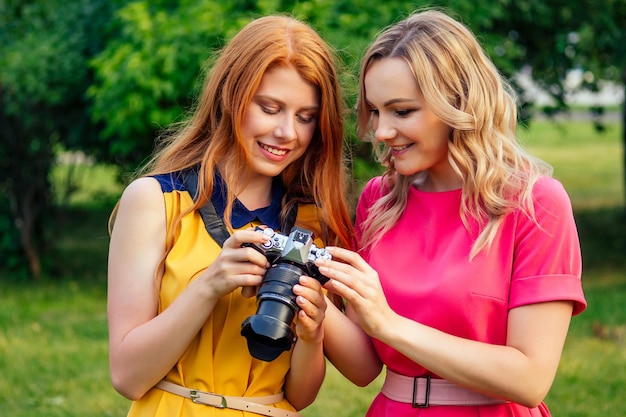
{"x": 196, "y": 398}
{"x": 414, "y": 402}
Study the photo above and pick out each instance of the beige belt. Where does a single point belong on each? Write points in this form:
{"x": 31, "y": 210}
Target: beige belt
{"x": 426, "y": 391}
{"x": 257, "y": 405}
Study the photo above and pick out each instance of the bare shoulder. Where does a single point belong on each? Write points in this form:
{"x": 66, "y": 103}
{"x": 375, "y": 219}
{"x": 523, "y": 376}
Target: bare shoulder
{"x": 142, "y": 191}
{"x": 142, "y": 203}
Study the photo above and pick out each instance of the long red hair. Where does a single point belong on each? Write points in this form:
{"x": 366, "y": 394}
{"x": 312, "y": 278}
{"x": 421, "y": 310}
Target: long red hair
{"x": 212, "y": 133}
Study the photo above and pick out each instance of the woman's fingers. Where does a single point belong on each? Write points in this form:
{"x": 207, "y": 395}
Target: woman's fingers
{"x": 357, "y": 282}
{"x": 348, "y": 257}
{"x": 310, "y": 291}
{"x": 312, "y": 303}
{"x": 346, "y": 267}
{"x": 245, "y": 246}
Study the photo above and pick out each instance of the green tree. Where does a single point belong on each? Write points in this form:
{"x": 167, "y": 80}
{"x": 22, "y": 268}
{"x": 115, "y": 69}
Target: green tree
{"x": 140, "y": 61}
{"x": 145, "y": 78}
{"x": 43, "y": 76}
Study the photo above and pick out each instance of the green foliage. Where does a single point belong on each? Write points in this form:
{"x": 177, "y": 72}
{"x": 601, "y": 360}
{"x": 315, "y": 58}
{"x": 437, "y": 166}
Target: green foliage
{"x": 556, "y": 37}
{"x": 82, "y": 233}
{"x": 11, "y": 261}
{"x": 146, "y": 76}
{"x": 25, "y": 79}
{"x": 105, "y": 76}
{"x": 79, "y": 183}
{"x": 603, "y": 237}
{"x": 43, "y": 76}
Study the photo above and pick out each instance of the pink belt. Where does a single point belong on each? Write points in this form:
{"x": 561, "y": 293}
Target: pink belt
{"x": 426, "y": 391}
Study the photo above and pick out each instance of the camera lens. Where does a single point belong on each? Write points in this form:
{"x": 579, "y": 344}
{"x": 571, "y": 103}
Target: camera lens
{"x": 269, "y": 332}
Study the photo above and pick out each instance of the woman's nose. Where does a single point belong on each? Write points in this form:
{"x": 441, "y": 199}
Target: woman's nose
{"x": 383, "y": 130}
{"x": 286, "y": 129}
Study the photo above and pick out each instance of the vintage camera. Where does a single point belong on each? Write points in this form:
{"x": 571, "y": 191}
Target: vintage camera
{"x": 269, "y": 332}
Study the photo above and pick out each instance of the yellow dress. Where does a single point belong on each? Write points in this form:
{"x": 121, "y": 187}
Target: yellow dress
{"x": 217, "y": 360}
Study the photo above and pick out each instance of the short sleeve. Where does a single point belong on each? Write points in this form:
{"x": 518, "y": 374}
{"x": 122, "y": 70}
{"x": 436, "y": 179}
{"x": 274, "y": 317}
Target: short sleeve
{"x": 547, "y": 263}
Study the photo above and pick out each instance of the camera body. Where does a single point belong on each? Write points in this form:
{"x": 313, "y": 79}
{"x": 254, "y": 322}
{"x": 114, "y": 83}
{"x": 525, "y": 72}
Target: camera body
{"x": 269, "y": 332}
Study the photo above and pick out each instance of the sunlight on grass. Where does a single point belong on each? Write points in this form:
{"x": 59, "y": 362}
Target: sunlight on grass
{"x": 55, "y": 338}
{"x": 85, "y": 183}
{"x": 590, "y": 380}
{"x": 588, "y": 163}
{"x": 338, "y": 397}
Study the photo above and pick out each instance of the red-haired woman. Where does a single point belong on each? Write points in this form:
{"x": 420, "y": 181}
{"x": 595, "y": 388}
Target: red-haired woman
{"x": 265, "y": 140}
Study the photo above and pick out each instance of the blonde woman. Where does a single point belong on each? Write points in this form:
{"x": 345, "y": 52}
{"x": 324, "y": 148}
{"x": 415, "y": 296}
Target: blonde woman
{"x": 469, "y": 266}
{"x": 265, "y": 140}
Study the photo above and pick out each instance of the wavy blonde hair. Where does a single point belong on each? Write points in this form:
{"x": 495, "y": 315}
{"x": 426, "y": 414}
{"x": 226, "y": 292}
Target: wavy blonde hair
{"x": 213, "y": 132}
{"x": 464, "y": 89}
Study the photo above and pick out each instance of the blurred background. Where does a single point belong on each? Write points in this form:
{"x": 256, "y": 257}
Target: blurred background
{"x": 86, "y": 85}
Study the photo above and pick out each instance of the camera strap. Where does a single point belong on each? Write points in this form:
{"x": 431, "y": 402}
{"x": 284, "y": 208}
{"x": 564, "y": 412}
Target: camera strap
{"x": 213, "y": 223}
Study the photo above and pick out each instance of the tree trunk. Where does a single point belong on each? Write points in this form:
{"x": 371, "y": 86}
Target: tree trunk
{"x": 25, "y": 211}
{"x": 28, "y": 216}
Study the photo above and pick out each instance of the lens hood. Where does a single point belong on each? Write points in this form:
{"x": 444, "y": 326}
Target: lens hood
{"x": 267, "y": 336}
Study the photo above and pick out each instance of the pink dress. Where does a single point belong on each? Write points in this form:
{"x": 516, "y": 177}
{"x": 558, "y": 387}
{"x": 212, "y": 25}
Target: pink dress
{"x": 426, "y": 276}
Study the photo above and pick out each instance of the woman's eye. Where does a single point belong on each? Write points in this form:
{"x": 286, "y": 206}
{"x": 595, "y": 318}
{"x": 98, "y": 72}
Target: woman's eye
{"x": 269, "y": 110}
{"x": 404, "y": 113}
{"x": 374, "y": 112}
{"x": 305, "y": 118}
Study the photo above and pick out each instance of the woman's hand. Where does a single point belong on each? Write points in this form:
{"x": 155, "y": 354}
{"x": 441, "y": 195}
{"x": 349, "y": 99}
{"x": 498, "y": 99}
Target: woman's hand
{"x": 237, "y": 265}
{"x": 358, "y": 283}
{"x": 308, "y": 365}
{"x": 310, "y": 298}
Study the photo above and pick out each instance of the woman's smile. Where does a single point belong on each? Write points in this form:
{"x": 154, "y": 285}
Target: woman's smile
{"x": 273, "y": 150}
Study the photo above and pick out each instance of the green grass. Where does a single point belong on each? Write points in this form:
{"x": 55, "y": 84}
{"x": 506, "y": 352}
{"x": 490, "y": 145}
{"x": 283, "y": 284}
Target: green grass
{"x": 588, "y": 163}
{"x": 53, "y": 352}
{"x": 592, "y": 372}
{"x": 53, "y": 338}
